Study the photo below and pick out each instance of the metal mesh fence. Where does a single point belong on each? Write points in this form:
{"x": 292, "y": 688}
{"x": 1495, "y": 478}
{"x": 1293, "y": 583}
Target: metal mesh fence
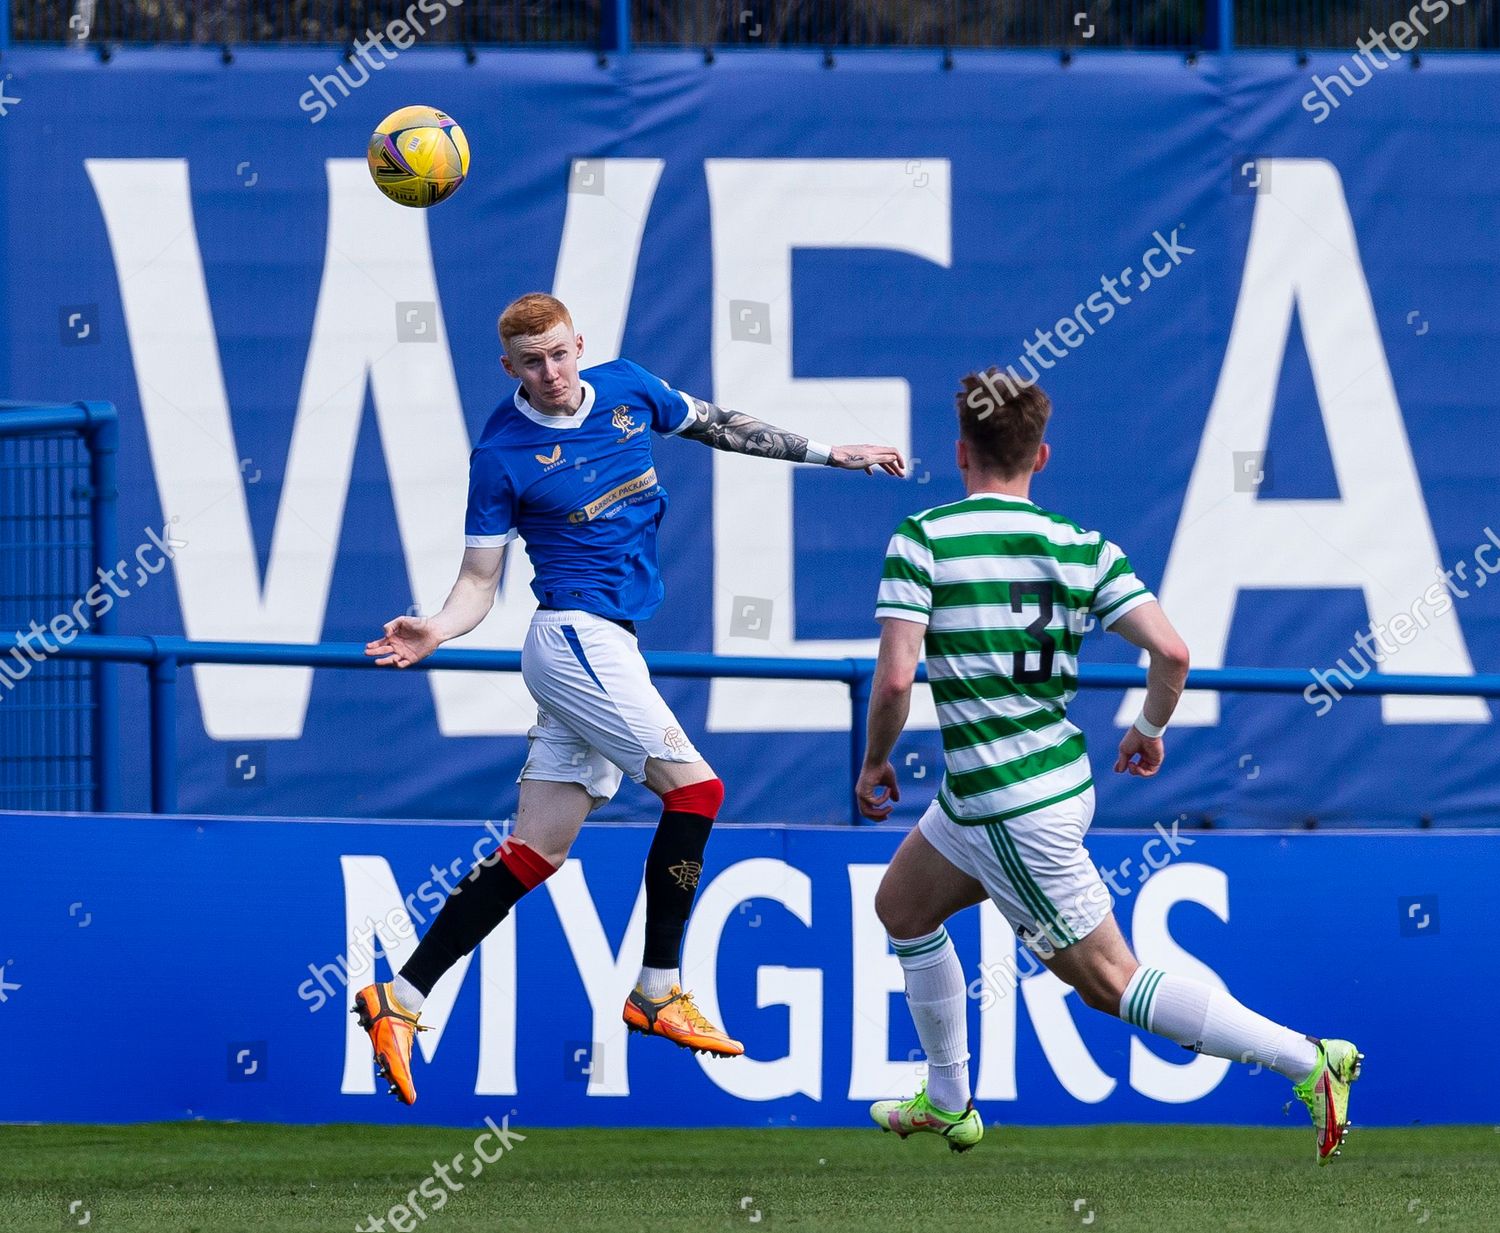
{"x": 897, "y": 23}
{"x": 1434, "y": 26}
{"x": 559, "y": 22}
{"x": 46, "y": 564}
{"x": 1165, "y": 24}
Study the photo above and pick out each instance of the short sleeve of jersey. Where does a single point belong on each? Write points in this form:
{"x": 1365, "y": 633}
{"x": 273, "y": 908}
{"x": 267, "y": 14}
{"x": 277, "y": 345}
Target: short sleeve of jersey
{"x": 1118, "y": 590}
{"x": 906, "y": 580}
{"x": 670, "y": 409}
{"x": 490, "y": 521}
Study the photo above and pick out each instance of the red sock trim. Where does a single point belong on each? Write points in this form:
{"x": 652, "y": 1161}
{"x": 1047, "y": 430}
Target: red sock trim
{"x": 530, "y": 869}
{"x": 703, "y": 799}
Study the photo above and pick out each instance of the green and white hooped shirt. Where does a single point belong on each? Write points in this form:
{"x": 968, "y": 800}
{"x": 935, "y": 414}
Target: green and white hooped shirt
{"x": 1007, "y": 591}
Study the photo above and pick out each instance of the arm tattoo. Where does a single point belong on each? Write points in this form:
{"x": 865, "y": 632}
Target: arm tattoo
{"x": 742, "y": 434}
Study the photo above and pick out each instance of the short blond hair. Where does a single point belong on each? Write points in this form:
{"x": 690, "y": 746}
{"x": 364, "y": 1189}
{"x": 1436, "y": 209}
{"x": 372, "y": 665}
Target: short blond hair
{"x": 534, "y": 313}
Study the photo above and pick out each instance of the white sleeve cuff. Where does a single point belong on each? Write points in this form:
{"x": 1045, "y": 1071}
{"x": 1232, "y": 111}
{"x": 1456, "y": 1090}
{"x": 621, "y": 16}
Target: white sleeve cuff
{"x": 489, "y": 541}
{"x": 686, "y": 419}
{"x": 818, "y": 453}
{"x": 1130, "y": 605}
{"x": 899, "y": 613}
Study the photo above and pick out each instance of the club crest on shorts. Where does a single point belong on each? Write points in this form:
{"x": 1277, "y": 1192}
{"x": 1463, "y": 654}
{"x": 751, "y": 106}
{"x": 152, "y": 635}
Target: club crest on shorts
{"x": 625, "y": 422}
{"x": 674, "y": 739}
{"x": 687, "y": 873}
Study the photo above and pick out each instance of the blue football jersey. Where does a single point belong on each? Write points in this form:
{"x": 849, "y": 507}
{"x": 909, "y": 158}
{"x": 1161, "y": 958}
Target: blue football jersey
{"x": 581, "y": 490}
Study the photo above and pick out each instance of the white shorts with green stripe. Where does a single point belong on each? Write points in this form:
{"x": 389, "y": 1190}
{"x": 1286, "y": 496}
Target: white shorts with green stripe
{"x": 1034, "y": 866}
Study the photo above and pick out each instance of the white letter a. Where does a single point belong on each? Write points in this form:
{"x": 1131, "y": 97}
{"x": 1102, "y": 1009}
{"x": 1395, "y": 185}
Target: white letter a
{"x": 1376, "y": 536}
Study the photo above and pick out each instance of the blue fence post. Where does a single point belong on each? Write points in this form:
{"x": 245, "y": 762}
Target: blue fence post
{"x": 1218, "y": 25}
{"x": 103, "y": 445}
{"x": 614, "y": 25}
{"x": 861, "y": 680}
{"x": 164, "y": 734}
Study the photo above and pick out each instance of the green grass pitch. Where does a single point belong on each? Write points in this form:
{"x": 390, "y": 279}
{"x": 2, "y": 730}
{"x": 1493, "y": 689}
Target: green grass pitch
{"x": 226, "y": 1178}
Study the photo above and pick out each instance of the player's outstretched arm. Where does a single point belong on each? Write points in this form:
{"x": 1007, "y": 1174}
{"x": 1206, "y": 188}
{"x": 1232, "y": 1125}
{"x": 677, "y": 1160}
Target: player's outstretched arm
{"x": 1166, "y": 675}
{"x": 744, "y": 434}
{"x": 408, "y": 639}
{"x": 890, "y": 703}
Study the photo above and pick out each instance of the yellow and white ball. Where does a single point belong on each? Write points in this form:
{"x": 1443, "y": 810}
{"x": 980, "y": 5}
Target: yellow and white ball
{"x": 418, "y": 156}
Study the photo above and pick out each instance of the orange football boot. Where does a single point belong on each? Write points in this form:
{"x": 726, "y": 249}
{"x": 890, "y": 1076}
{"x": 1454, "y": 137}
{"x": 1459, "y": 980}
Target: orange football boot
{"x": 391, "y": 1028}
{"x": 679, "y": 1020}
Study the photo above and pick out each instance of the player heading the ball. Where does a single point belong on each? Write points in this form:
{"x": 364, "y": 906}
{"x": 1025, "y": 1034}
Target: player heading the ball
{"x": 566, "y": 465}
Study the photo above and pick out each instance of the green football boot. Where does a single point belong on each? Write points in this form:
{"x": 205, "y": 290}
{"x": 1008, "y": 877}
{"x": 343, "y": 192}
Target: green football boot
{"x": 1325, "y": 1092}
{"x": 908, "y": 1117}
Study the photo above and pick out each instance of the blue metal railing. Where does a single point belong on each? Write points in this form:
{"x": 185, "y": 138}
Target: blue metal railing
{"x": 615, "y": 25}
{"x": 164, "y": 657}
{"x": 57, "y": 530}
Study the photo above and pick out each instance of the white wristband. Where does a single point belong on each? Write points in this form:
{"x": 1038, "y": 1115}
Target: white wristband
{"x": 1146, "y": 728}
{"x": 818, "y": 453}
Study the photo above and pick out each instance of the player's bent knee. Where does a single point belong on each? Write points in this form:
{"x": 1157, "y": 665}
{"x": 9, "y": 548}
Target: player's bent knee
{"x": 663, "y": 776}
{"x": 901, "y": 917}
{"x": 553, "y": 853}
{"x": 889, "y": 908}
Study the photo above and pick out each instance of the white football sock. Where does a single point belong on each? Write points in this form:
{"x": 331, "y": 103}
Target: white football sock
{"x": 656, "y": 983}
{"x": 1209, "y": 1020}
{"x": 407, "y": 994}
{"x": 939, "y": 1007}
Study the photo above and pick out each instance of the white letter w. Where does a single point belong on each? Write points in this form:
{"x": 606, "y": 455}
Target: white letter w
{"x": 377, "y": 256}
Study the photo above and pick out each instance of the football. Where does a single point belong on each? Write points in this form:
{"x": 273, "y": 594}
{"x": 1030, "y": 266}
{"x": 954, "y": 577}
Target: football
{"x": 418, "y": 156}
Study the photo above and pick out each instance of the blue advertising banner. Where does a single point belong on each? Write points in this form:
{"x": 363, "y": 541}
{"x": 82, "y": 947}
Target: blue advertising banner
{"x": 233, "y": 943}
{"x": 1260, "y": 305}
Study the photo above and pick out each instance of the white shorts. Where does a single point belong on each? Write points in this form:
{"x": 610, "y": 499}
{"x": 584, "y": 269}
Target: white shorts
{"x": 1034, "y": 866}
{"x": 599, "y": 716}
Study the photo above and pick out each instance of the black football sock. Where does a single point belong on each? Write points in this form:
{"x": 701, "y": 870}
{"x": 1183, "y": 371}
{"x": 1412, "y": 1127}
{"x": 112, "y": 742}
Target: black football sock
{"x": 674, "y": 865}
{"x": 480, "y": 902}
